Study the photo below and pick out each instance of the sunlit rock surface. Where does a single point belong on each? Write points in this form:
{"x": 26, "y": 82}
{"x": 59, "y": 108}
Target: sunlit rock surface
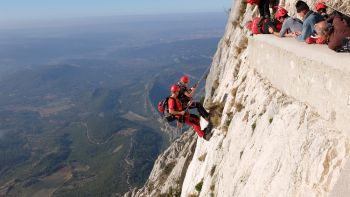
{"x": 267, "y": 141}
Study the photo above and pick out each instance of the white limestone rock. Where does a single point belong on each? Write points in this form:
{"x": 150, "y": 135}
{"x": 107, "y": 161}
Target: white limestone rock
{"x": 265, "y": 143}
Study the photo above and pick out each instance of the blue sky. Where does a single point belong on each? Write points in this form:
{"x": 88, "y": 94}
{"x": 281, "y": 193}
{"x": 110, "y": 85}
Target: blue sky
{"x": 53, "y": 9}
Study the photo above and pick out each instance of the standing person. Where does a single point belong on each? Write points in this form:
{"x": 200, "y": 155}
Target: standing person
{"x": 310, "y": 18}
{"x": 264, "y": 8}
{"x": 263, "y": 5}
{"x": 186, "y": 95}
{"x": 289, "y": 25}
{"x": 175, "y": 108}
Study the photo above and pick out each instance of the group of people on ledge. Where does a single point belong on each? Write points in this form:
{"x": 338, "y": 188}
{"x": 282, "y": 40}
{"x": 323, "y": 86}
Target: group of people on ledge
{"x": 316, "y": 27}
{"x": 177, "y": 106}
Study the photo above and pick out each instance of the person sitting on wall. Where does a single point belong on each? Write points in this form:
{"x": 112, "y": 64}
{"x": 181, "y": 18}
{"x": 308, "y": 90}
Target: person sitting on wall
{"x": 321, "y": 8}
{"x": 262, "y": 25}
{"x": 310, "y": 18}
{"x": 323, "y": 30}
{"x": 337, "y": 34}
{"x": 289, "y": 25}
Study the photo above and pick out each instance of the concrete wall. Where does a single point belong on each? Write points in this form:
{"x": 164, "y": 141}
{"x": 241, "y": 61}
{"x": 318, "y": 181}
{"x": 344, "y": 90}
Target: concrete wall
{"x": 312, "y": 74}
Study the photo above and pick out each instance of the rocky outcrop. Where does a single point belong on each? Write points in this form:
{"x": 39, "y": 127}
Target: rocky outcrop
{"x": 268, "y": 140}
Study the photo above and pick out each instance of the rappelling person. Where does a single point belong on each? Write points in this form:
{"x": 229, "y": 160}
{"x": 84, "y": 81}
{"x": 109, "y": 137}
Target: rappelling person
{"x": 186, "y": 95}
{"x": 176, "y": 109}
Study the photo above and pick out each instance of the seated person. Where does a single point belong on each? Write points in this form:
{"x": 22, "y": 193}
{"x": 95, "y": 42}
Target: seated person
{"x": 262, "y": 25}
{"x": 289, "y": 25}
{"x": 310, "y": 18}
{"x": 341, "y": 30}
{"x": 321, "y": 8}
{"x": 323, "y": 30}
{"x": 334, "y": 34}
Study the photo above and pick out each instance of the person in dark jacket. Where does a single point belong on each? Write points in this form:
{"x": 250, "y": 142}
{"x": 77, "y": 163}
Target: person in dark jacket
{"x": 310, "y": 18}
{"x": 186, "y": 95}
{"x": 264, "y": 8}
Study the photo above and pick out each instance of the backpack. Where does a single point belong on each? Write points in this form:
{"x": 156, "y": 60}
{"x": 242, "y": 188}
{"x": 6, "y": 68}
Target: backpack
{"x": 164, "y": 109}
{"x": 252, "y": 2}
{"x": 257, "y": 25}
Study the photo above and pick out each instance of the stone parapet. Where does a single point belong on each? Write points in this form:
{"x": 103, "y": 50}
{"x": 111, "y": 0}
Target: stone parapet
{"x": 312, "y": 74}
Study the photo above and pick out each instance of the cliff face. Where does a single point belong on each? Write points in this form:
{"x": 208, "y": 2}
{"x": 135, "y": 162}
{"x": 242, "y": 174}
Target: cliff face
{"x": 271, "y": 137}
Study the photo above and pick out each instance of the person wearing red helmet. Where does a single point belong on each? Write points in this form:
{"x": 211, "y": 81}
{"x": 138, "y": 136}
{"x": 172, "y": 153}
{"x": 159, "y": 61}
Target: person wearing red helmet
{"x": 289, "y": 25}
{"x": 321, "y": 8}
{"x": 175, "y": 108}
{"x": 262, "y": 25}
{"x": 310, "y": 18}
{"x": 186, "y": 95}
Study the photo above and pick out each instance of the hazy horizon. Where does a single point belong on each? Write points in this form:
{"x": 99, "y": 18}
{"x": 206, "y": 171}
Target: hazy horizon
{"x": 19, "y": 10}
{"x": 19, "y": 24}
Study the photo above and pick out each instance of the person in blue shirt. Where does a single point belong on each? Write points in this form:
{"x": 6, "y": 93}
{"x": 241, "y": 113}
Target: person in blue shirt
{"x": 310, "y": 18}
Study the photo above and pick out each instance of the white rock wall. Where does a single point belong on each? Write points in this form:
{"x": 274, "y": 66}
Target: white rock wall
{"x": 274, "y": 145}
{"x": 266, "y": 142}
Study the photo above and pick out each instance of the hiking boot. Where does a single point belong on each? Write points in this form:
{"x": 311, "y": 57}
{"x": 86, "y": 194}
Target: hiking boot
{"x": 207, "y": 133}
{"x": 206, "y": 118}
{"x": 207, "y": 136}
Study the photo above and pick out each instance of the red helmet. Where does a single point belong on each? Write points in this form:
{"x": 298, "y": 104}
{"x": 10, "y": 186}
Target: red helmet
{"x": 175, "y": 88}
{"x": 281, "y": 12}
{"x": 319, "y": 6}
{"x": 184, "y": 79}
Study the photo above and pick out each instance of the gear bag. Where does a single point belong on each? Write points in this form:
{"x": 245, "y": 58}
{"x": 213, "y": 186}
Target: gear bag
{"x": 164, "y": 109}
